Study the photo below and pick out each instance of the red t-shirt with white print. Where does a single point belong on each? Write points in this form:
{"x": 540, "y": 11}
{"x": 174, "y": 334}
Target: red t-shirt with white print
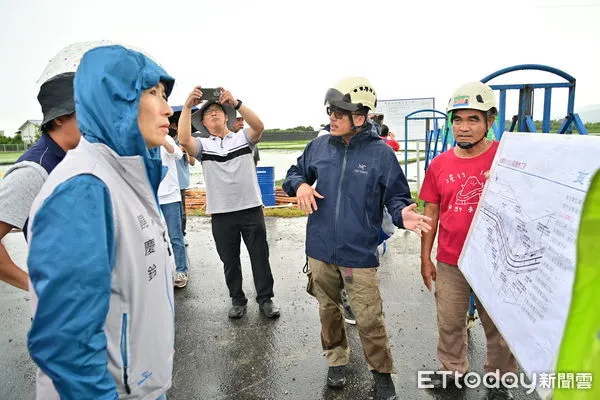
{"x": 456, "y": 185}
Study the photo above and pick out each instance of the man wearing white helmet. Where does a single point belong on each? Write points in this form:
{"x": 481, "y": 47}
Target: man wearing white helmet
{"x": 357, "y": 175}
{"x": 452, "y": 187}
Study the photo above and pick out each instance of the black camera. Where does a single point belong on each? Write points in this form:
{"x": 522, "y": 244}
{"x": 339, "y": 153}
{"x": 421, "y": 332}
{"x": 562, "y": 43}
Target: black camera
{"x": 210, "y": 94}
{"x": 377, "y": 118}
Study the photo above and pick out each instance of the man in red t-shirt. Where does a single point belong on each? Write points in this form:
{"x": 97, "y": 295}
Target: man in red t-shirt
{"x": 389, "y": 138}
{"x": 452, "y": 188}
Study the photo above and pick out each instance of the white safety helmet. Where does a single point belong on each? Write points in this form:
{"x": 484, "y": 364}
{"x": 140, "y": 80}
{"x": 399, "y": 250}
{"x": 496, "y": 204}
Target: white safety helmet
{"x": 473, "y": 96}
{"x": 353, "y": 94}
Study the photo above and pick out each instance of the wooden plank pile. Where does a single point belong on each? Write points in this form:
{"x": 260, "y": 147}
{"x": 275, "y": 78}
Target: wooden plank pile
{"x": 196, "y": 199}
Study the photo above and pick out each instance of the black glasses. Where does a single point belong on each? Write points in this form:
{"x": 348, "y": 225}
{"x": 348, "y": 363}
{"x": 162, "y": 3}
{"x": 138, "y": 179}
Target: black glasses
{"x": 213, "y": 110}
{"x": 336, "y": 113}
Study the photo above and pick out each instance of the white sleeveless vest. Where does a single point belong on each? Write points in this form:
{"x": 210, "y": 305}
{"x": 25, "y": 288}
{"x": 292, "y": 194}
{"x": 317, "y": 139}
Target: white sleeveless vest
{"x": 139, "y": 327}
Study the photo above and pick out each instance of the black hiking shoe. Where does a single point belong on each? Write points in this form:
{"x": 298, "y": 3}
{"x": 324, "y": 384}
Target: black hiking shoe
{"x": 336, "y": 377}
{"x": 443, "y": 382}
{"x": 499, "y": 393}
{"x": 236, "y": 311}
{"x": 270, "y": 310}
{"x": 384, "y": 386}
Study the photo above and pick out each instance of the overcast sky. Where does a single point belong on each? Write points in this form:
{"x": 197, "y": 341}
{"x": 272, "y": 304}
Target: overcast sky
{"x": 280, "y": 57}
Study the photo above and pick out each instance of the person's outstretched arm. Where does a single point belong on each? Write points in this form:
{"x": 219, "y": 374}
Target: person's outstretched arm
{"x": 18, "y": 189}
{"x": 172, "y": 149}
{"x": 9, "y": 271}
{"x": 257, "y": 128}
{"x": 184, "y": 126}
{"x": 191, "y": 160}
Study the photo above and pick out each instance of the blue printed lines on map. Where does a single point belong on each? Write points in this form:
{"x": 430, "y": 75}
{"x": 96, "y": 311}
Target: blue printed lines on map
{"x": 541, "y": 177}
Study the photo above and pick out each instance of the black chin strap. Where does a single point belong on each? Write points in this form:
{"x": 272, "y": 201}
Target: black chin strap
{"x": 467, "y": 145}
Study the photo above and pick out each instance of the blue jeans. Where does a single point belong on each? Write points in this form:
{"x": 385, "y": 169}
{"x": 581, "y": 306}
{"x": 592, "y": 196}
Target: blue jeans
{"x": 162, "y": 397}
{"x": 172, "y": 213}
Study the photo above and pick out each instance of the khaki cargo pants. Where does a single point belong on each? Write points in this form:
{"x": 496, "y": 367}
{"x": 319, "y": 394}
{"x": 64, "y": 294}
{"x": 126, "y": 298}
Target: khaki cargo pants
{"x": 452, "y": 293}
{"x": 325, "y": 283}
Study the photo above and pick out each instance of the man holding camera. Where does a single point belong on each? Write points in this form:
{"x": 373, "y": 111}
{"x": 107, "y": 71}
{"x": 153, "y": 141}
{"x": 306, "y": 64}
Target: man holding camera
{"x": 232, "y": 193}
{"x": 376, "y": 118}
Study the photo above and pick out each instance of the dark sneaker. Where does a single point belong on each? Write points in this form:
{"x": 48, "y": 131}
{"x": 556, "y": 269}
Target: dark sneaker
{"x": 349, "y": 315}
{"x": 501, "y": 393}
{"x": 269, "y": 309}
{"x": 438, "y": 382}
{"x": 336, "y": 377}
{"x": 236, "y": 312}
{"x": 384, "y": 386}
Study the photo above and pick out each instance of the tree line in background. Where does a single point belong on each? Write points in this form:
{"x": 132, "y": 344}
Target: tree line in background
{"x": 18, "y": 138}
{"x": 592, "y": 127}
{"x": 299, "y": 128}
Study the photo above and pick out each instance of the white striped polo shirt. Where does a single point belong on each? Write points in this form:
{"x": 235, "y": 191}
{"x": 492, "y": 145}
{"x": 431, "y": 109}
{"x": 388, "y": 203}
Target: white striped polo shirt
{"x": 229, "y": 172}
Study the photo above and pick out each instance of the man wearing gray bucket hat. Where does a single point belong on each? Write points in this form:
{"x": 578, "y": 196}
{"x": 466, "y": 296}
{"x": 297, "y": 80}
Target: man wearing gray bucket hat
{"x": 23, "y": 181}
{"x": 232, "y": 193}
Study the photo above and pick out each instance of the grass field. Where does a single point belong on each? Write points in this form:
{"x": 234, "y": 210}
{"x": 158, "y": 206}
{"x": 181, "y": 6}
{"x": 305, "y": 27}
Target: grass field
{"x": 9, "y": 157}
{"x": 288, "y": 145}
{"x": 283, "y": 212}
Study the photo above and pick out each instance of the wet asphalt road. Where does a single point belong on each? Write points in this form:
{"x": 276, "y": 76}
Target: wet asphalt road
{"x": 256, "y": 358}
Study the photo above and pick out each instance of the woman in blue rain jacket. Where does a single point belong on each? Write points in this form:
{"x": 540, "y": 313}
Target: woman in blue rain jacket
{"x": 99, "y": 256}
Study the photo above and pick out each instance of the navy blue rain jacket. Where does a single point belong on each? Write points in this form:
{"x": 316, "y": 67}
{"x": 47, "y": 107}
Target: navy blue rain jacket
{"x": 356, "y": 181}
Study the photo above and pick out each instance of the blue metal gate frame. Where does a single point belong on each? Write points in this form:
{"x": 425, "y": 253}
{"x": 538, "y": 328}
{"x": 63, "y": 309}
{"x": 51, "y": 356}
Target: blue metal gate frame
{"x": 524, "y": 120}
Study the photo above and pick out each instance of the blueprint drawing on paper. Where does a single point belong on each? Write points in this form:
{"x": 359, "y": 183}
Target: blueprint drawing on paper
{"x": 519, "y": 256}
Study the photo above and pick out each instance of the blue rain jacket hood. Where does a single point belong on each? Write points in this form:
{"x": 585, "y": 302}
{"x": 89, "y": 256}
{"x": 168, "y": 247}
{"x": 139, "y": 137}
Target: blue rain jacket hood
{"x": 108, "y": 85}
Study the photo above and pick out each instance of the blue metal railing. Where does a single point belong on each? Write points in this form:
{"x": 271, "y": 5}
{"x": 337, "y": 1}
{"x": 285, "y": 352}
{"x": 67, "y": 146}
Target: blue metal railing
{"x": 524, "y": 119}
{"x": 430, "y": 150}
{"x": 522, "y": 122}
